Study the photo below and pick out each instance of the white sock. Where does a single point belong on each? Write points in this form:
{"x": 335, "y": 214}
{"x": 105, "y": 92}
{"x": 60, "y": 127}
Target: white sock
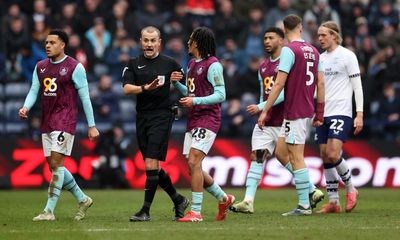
{"x": 332, "y": 183}
{"x": 345, "y": 173}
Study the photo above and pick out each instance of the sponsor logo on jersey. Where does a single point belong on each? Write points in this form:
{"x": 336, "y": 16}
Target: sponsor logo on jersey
{"x": 50, "y": 87}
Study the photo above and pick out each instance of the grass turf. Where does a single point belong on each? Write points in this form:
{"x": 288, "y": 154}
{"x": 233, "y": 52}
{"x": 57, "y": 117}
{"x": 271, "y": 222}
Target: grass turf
{"x": 376, "y": 216}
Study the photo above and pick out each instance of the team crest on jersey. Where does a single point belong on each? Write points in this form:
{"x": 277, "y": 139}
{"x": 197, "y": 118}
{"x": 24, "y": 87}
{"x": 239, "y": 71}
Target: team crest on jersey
{"x": 263, "y": 69}
{"x": 199, "y": 70}
{"x": 276, "y": 68}
{"x": 63, "y": 71}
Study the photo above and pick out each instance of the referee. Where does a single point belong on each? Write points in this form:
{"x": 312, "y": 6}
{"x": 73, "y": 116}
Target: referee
{"x": 148, "y": 76}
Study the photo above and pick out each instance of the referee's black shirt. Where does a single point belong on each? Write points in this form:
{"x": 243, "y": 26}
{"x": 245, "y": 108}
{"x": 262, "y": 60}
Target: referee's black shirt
{"x": 142, "y": 70}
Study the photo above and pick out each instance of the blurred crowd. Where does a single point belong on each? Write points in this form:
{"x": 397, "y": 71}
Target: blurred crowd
{"x": 105, "y": 34}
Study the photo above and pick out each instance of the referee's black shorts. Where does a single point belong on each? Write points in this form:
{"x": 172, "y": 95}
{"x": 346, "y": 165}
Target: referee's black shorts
{"x": 153, "y": 129}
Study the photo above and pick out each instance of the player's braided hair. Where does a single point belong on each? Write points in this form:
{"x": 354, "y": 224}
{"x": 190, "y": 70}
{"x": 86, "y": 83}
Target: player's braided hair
{"x": 205, "y": 40}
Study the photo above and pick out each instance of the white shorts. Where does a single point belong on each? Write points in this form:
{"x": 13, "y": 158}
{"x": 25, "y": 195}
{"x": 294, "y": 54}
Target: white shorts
{"x": 295, "y": 131}
{"x": 199, "y": 138}
{"x": 265, "y": 138}
{"x": 57, "y": 141}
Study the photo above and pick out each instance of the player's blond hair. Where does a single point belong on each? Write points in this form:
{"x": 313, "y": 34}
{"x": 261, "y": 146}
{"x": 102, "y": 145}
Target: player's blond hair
{"x": 333, "y": 29}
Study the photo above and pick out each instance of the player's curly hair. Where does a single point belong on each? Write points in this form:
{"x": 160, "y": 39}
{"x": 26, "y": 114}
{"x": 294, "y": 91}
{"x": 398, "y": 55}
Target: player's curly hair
{"x": 61, "y": 35}
{"x": 205, "y": 40}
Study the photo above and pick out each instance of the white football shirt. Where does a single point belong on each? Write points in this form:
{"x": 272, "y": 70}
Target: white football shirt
{"x": 339, "y": 66}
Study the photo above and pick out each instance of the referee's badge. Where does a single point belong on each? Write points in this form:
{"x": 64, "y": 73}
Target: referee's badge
{"x": 161, "y": 79}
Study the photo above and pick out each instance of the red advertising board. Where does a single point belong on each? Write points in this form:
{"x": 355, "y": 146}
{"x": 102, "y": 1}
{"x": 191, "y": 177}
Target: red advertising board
{"x": 373, "y": 164}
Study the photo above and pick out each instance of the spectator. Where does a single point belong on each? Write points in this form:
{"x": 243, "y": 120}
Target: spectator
{"x": 68, "y": 16}
{"x": 105, "y": 102}
{"x": 81, "y": 52}
{"x": 276, "y": 14}
{"x": 100, "y": 41}
{"x": 250, "y": 85}
{"x": 384, "y": 14}
{"x": 251, "y": 41}
{"x": 16, "y": 36}
{"x": 87, "y": 14}
{"x": 150, "y": 15}
{"x": 40, "y": 32}
{"x": 322, "y": 12}
{"x": 388, "y": 113}
{"x": 177, "y": 23}
{"x": 121, "y": 21}
{"x": 31, "y": 53}
{"x": 176, "y": 49}
{"x": 112, "y": 150}
{"x": 226, "y": 24}
{"x": 119, "y": 55}
{"x": 200, "y": 13}
{"x": 41, "y": 13}
{"x": 238, "y": 55}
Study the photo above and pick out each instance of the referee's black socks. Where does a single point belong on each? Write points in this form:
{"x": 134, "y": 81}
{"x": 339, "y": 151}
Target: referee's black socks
{"x": 150, "y": 189}
{"x": 166, "y": 184}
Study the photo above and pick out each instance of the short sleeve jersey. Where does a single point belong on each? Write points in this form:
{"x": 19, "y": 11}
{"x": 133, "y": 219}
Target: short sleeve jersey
{"x": 142, "y": 70}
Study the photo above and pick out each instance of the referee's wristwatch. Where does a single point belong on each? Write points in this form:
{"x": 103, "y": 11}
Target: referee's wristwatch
{"x": 143, "y": 89}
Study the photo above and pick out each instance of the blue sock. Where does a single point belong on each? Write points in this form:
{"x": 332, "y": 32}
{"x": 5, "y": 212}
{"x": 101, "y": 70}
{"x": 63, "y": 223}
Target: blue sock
{"x": 311, "y": 186}
{"x": 55, "y": 187}
{"x": 70, "y": 185}
{"x": 253, "y": 179}
{"x": 197, "y": 199}
{"x": 301, "y": 179}
{"x": 216, "y": 191}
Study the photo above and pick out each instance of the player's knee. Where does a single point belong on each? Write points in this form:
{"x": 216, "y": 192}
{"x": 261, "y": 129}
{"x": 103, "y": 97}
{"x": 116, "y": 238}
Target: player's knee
{"x": 54, "y": 166}
{"x": 194, "y": 164}
{"x": 151, "y": 164}
{"x": 331, "y": 156}
{"x": 253, "y": 156}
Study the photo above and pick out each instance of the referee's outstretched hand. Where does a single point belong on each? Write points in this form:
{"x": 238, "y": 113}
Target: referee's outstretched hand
{"x": 153, "y": 85}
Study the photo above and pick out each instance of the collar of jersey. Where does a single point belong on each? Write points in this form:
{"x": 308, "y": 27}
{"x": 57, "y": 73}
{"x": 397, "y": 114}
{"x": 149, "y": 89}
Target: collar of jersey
{"x": 62, "y": 59}
{"x": 298, "y": 40}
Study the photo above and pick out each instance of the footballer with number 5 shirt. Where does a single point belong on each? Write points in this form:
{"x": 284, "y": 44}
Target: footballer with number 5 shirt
{"x": 59, "y": 80}
{"x": 299, "y": 73}
{"x": 266, "y": 141}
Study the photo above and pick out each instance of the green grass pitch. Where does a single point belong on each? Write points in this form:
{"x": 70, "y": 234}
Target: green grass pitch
{"x": 377, "y": 216}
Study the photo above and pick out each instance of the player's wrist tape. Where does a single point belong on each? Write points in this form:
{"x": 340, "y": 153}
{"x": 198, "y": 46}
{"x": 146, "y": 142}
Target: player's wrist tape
{"x": 319, "y": 112}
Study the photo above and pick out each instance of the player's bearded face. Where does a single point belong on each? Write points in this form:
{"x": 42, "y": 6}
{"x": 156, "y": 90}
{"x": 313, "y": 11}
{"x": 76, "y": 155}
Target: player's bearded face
{"x": 271, "y": 42}
{"x": 151, "y": 43}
